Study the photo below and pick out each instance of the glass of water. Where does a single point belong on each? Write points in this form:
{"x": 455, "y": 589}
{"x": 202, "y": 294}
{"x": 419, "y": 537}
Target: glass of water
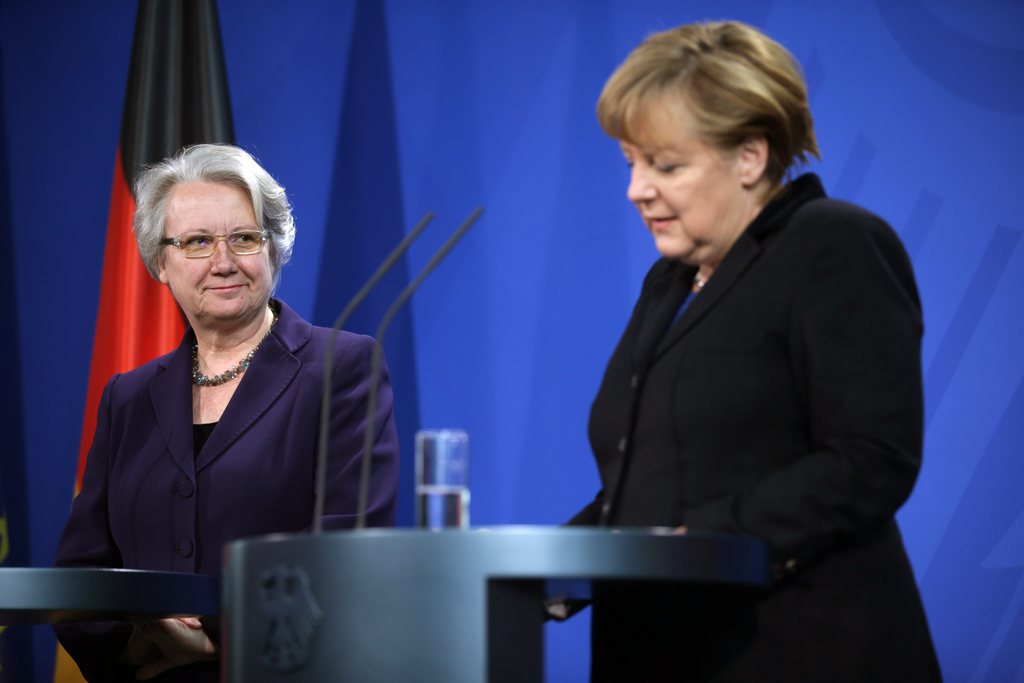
{"x": 442, "y": 479}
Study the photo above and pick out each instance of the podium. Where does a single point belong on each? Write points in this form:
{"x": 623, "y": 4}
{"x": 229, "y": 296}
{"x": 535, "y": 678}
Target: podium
{"x": 455, "y": 606}
{"x": 393, "y": 604}
{"x": 49, "y": 596}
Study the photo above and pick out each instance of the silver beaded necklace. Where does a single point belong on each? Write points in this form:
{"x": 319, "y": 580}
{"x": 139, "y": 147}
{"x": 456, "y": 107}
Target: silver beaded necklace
{"x": 201, "y": 380}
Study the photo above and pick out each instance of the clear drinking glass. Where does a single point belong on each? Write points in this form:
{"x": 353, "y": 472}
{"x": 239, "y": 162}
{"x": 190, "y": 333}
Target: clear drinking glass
{"x": 442, "y": 479}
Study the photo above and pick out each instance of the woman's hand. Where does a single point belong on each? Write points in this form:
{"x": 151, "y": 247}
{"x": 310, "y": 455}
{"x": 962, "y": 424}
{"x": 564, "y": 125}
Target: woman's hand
{"x": 163, "y": 644}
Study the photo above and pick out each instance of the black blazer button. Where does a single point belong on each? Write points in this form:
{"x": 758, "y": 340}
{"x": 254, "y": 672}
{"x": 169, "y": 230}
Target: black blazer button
{"x": 622, "y": 445}
{"x": 184, "y": 547}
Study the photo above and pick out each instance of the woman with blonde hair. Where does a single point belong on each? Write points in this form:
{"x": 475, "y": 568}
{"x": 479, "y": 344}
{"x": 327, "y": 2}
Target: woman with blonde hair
{"x": 768, "y": 383}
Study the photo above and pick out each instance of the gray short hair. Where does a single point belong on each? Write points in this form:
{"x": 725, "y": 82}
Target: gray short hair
{"x": 212, "y": 164}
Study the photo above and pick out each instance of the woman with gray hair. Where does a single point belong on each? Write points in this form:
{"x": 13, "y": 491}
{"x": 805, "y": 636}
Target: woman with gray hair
{"x": 217, "y": 440}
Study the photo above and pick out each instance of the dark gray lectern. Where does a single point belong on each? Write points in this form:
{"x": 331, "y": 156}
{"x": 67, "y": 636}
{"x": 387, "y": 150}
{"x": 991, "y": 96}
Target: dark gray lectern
{"x": 453, "y": 606}
{"x": 49, "y": 596}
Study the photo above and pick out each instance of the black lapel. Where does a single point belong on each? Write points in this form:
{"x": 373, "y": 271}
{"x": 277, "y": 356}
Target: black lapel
{"x": 741, "y": 256}
{"x": 748, "y": 248}
{"x": 660, "y": 303}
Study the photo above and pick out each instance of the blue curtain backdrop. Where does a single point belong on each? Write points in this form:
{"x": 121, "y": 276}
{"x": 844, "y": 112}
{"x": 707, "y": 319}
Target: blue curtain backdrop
{"x": 371, "y": 112}
{"x": 14, "y": 535}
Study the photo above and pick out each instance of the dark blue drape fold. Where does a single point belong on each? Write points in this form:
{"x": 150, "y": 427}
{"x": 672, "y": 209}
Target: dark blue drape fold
{"x": 366, "y": 219}
{"x": 14, "y": 642}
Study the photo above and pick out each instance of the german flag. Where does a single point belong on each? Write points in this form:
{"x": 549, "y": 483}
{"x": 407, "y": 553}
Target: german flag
{"x": 177, "y": 95}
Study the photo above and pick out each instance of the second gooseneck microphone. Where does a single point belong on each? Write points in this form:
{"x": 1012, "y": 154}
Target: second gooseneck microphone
{"x": 378, "y": 353}
{"x": 325, "y": 403}
{"x": 323, "y": 436}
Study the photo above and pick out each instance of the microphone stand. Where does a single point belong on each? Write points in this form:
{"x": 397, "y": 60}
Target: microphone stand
{"x": 378, "y": 352}
{"x": 325, "y": 398}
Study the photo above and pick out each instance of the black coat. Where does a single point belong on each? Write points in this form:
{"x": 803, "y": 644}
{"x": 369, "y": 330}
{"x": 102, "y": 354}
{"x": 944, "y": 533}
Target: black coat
{"x": 785, "y": 404}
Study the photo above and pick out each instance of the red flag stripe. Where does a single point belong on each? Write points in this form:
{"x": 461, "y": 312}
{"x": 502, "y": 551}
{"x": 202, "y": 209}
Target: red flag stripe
{"x": 137, "y": 319}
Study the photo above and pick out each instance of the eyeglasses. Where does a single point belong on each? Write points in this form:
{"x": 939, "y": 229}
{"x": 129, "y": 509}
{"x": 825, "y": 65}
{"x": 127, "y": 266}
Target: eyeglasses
{"x": 202, "y": 245}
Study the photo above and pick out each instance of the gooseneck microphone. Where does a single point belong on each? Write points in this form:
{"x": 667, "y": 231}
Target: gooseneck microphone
{"x": 325, "y": 398}
{"x": 378, "y": 352}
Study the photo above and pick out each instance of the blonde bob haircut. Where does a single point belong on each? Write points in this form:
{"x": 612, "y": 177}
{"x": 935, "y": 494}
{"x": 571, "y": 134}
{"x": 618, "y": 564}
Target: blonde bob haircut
{"x": 734, "y": 83}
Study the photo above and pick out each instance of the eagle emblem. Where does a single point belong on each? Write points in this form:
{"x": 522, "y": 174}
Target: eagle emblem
{"x": 288, "y": 603}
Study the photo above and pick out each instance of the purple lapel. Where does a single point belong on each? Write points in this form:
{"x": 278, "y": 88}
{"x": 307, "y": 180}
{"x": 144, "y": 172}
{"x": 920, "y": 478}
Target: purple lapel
{"x": 273, "y": 368}
{"x": 171, "y": 394}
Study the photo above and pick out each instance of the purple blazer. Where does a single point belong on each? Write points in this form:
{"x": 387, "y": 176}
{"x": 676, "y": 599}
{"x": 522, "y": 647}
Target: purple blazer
{"x": 149, "y": 502}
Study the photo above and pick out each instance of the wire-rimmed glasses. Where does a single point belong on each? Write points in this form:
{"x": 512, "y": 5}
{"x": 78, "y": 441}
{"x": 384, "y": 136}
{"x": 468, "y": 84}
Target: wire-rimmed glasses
{"x": 202, "y": 245}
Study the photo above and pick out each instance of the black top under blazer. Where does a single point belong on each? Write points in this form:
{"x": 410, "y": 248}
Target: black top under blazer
{"x": 785, "y": 403}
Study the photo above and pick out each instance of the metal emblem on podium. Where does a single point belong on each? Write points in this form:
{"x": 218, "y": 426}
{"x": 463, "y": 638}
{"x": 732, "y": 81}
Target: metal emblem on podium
{"x": 294, "y": 616}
